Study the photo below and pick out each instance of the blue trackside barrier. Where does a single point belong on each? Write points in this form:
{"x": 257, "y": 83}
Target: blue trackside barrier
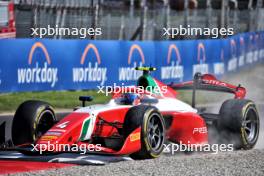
{"x": 43, "y": 64}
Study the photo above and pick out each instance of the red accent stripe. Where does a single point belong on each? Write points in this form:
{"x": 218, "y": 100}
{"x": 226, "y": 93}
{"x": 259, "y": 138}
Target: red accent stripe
{"x": 7, "y": 167}
{"x": 8, "y": 35}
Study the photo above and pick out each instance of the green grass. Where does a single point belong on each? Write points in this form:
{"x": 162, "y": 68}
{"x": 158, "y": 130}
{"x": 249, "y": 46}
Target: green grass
{"x": 70, "y": 99}
{"x": 58, "y": 99}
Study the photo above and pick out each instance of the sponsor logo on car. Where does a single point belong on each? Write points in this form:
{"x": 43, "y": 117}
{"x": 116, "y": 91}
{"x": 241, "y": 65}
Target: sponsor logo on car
{"x": 201, "y": 130}
{"x": 90, "y": 72}
{"x": 134, "y": 137}
{"x": 129, "y": 73}
{"x": 48, "y": 138}
{"x": 38, "y": 73}
{"x": 53, "y": 133}
{"x": 214, "y": 82}
{"x": 175, "y": 70}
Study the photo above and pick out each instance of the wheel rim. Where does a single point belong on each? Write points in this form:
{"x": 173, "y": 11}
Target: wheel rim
{"x": 46, "y": 121}
{"x": 251, "y": 125}
{"x": 155, "y": 132}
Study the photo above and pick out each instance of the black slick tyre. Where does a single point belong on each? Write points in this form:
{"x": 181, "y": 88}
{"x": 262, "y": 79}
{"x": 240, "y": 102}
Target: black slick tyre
{"x": 32, "y": 119}
{"x": 239, "y": 123}
{"x": 152, "y": 130}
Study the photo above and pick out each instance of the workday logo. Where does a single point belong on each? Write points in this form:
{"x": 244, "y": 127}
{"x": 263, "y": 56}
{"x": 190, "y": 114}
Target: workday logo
{"x": 232, "y": 63}
{"x": 174, "y": 70}
{"x": 219, "y": 67}
{"x": 242, "y": 49}
{"x": 261, "y": 44}
{"x": 255, "y": 46}
{"x": 129, "y": 73}
{"x": 90, "y": 73}
{"x": 202, "y": 67}
{"x": 250, "y": 55}
{"x": 38, "y": 73}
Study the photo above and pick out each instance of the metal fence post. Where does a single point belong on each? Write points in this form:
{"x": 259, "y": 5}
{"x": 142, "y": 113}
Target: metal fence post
{"x": 166, "y": 13}
{"x": 186, "y": 16}
{"x": 143, "y": 19}
{"x": 186, "y": 12}
{"x": 131, "y": 17}
{"x": 208, "y": 14}
{"x": 223, "y": 14}
{"x": 258, "y": 20}
{"x": 250, "y": 24}
{"x": 122, "y": 28}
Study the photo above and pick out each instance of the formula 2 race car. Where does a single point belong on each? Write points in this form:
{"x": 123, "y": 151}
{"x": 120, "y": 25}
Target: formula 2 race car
{"x": 139, "y": 119}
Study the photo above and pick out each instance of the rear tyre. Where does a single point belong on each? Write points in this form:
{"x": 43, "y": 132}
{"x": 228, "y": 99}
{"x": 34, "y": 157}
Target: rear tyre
{"x": 152, "y": 130}
{"x": 239, "y": 123}
{"x": 32, "y": 119}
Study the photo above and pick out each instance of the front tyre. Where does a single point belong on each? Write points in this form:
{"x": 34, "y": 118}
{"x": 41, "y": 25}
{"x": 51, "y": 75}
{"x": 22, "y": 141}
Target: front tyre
{"x": 152, "y": 130}
{"x": 239, "y": 123}
{"x": 32, "y": 119}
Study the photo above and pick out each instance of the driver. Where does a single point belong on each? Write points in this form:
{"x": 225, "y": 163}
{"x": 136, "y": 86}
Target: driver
{"x": 128, "y": 98}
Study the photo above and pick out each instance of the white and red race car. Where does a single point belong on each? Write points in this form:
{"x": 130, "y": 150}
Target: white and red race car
{"x": 139, "y": 119}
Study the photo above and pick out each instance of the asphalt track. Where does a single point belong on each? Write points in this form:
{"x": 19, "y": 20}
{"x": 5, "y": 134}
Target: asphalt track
{"x": 231, "y": 163}
{"x": 224, "y": 163}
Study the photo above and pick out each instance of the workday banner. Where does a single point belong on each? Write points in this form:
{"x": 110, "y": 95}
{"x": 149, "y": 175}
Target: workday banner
{"x": 33, "y": 65}
{"x": 43, "y": 64}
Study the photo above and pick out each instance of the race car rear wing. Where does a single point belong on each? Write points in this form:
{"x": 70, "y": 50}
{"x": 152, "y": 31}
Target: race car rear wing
{"x": 210, "y": 83}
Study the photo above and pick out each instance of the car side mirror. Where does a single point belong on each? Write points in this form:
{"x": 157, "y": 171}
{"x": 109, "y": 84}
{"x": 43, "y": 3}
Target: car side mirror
{"x": 83, "y": 99}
